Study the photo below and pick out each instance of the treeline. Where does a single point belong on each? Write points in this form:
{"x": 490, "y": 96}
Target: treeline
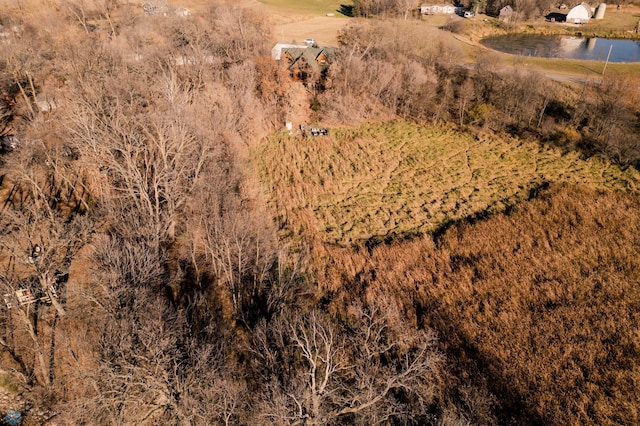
{"x": 525, "y": 9}
{"x": 143, "y": 278}
{"x": 389, "y": 69}
{"x": 384, "y": 8}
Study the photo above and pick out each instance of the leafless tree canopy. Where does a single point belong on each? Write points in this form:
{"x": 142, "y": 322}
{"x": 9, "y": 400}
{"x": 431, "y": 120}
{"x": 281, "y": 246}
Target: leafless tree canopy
{"x": 144, "y": 280}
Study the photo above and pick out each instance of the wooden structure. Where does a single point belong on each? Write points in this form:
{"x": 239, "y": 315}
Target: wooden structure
{"x": 24, "y": 296}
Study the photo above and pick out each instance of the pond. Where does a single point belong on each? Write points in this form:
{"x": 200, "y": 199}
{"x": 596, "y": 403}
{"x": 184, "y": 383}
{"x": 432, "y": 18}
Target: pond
{"x": 565, "y": 47}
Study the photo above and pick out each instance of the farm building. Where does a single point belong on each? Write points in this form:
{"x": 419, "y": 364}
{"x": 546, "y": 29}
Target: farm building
{"x": 437, "y": 9}
{"x": 579, "y": 14}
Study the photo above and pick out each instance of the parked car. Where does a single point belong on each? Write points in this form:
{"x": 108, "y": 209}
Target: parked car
{"x": 310, "y": 41}
{"x": 469, "y": 14}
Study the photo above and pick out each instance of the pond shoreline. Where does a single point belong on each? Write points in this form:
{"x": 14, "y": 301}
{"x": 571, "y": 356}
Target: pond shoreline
{"x": 564, "y": 47}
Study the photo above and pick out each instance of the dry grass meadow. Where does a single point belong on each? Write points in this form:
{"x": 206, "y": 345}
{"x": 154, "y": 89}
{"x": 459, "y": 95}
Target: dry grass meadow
{"x": 381, "y": 181}
{"x": 534, "y": 303}
{"x": 539, "y": 306}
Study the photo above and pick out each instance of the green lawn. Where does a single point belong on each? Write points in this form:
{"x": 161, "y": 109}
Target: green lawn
{"x": 320, "y": 7}
{"x": 394, "y": 179}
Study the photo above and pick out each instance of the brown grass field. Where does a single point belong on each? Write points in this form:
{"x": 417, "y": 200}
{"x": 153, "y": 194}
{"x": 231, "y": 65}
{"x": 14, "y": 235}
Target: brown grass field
{"x": 540, "y": 305}
{"x": 382, "y": 181}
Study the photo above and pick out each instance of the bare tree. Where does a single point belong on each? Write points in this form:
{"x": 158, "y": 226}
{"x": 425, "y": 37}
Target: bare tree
{"x": 465, "y": 97}
{"x": 150, "y": 366}
{"x": 149, "y": 162}
{"x": 360, "y": 373}
{"x": 42, "y": 233}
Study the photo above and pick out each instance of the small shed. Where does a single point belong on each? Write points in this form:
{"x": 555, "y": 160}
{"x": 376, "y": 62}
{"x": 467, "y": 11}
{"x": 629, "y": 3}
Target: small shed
{"x": 579, "y": 14}
{"x": 506, "y": 14}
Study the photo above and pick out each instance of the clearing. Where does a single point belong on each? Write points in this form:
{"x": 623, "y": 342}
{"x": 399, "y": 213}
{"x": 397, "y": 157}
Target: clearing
{"x": 292, "y": 21}
{"x": 387, "y": 180}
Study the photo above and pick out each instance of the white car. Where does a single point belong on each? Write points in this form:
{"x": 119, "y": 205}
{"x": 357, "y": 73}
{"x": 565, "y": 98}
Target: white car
{"x": 309, "y": 41}
{"x": 469, "y": 14}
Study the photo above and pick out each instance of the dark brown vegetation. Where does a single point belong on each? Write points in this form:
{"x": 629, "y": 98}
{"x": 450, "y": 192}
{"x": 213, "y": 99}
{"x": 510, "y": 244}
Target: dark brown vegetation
{"x": 539, "y": 305}
{"x": 165, "y": 297}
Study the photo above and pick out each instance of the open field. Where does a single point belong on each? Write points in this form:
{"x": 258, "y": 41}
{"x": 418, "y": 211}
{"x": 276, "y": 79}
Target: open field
{"x": 295, "y": 21}
{"x": 390, "y": 180}
{"x": 323, "y": 29}
{"x": 316, "y": 7}
{"x": 292, "y": 21}
{"x": 586, "y": 69}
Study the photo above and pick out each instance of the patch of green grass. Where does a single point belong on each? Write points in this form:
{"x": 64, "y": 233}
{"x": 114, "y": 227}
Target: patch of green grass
{"x": 7, "y": 384}
{"x": 320, "y": 7}
{"x": 392, "y": 179}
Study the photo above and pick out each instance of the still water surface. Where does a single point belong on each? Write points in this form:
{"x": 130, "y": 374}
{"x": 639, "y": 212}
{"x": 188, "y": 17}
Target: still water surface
{"x": 595, "y": 49}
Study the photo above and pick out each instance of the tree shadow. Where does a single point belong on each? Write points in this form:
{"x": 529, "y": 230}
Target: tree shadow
{"x": 346, "y": 10}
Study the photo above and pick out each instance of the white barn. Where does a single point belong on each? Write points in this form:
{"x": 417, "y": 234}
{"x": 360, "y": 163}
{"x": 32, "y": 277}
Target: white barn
{"x": 579, "y": 14}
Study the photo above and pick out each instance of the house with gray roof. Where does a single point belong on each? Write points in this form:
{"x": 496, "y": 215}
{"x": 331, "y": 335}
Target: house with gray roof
{"x": 303, "y": 61}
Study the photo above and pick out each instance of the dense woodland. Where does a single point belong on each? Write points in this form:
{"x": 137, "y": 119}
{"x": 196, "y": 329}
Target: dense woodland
{"x": 131, "y": 208}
